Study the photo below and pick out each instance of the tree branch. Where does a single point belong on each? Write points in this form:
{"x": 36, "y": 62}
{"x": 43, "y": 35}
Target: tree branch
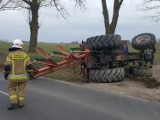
{"x": 80, "y": 3}
{"x": 152, "y": 5}
{"x": 3, "y": 5}
{"x": 120, "y": 2}
{"x": 60, "y": 9}
{"x": 12, "y": 5}
{"x": 105, "y": 13}
{"x": 27, "y": 2}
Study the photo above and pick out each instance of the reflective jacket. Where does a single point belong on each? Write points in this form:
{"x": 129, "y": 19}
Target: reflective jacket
{"x": 18, "y": 60}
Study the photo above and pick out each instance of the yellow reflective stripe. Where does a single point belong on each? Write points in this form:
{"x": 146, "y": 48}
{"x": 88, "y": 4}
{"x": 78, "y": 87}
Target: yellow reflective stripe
{"x": 8, "y": 59}
{"x": 18, "y": 57}
{"x": 25, "y": 63}
{"x": 27, "y": 59}
{"x": 13, "y": 97}
{"x": 21, "y": 98}
{"x": 18, "y": 77}
{"x": 13, "y": 72}
{"x": 25, "y": 66}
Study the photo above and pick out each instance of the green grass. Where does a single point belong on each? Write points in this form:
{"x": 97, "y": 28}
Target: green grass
{"x": 157, "y": 54}
{"x": 69, "y": 74}
{"x": 48, "y": 47}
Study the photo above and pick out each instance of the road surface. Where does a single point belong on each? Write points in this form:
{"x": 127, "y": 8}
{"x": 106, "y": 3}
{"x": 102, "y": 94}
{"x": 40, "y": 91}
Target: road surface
{"x": 54, "y": 100}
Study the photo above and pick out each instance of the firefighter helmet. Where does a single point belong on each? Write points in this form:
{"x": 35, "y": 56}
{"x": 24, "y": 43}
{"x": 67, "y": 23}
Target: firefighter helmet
{"x": 17, "y": 43}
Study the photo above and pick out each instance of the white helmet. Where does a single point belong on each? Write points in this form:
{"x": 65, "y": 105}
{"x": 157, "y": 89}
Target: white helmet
{"x": 17, "y": 43}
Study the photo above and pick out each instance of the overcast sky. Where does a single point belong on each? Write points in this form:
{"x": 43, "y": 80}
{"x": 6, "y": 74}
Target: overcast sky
{"x": 79, "y": 25}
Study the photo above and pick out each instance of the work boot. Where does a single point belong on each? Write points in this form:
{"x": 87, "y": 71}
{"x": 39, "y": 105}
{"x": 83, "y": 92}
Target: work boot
{"x": 13, "y": 106}
{"x": 21, "y": 106}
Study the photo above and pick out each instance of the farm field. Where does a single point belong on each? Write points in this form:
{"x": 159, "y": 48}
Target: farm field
{"x": 130, "y": 86}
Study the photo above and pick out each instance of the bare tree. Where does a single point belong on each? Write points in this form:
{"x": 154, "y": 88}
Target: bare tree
{"x": 111, "y": 26}
{"x": 152, "y": 5}
{"x": 33, "y": 7}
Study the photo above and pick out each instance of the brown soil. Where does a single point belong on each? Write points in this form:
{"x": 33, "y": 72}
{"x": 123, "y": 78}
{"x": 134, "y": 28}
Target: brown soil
{"x": 146, "y": 88}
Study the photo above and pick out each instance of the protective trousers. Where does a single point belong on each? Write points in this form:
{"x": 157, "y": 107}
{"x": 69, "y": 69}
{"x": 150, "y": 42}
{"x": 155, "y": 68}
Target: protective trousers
{"x": 16, "y": 92}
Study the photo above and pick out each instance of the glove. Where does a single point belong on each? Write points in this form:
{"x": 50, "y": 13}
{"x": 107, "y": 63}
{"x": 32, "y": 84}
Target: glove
{"x": 30, "y": 75}
{"x": 6, "y": 76}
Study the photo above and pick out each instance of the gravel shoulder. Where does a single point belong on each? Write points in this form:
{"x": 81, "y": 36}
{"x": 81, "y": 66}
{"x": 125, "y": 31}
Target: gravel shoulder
{"x": 131, "y": 87}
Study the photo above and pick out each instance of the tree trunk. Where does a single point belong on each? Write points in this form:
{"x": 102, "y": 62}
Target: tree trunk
{"x": 110, "y": 27}
{"x": 106, "y": 16}
{"x": 115, "y": 16}
{"x": 34, "y": 26}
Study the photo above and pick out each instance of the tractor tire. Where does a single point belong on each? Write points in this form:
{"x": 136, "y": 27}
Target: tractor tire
{"x": 142, "y": 72}
{"x": 106, "y": 75}
{"x": 143, "y": 41}
{"x": 104, "y": 41}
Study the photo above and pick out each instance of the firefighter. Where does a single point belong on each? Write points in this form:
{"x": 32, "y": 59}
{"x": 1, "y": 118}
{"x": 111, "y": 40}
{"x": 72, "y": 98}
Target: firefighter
{"x": 17, "y": 70}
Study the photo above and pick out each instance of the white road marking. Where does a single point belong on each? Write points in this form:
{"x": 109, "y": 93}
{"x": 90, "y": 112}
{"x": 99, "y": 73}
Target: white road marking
{"x": 4, "y": 93}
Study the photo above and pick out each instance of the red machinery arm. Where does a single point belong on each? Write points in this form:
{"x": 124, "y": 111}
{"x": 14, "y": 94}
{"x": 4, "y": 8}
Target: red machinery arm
{"x": 47, "y": 66}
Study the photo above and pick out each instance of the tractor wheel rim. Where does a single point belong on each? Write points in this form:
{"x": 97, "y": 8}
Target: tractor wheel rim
{"x": 143, "y": 39}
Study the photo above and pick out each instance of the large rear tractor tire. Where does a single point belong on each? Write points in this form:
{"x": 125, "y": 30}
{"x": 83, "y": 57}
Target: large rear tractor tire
{"x": 139, "y": 72}
{"x": 106, "y": 75}
{"x": 143, "y": 41}
{"x": 104, "y": 41}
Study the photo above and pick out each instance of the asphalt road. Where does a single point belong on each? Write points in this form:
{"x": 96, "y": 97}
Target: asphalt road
{"x": 53, "y": 100}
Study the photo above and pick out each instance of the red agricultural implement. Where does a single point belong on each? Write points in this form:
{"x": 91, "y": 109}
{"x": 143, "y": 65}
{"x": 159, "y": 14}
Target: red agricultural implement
{"x": 102, "y": 58}
{"x": 46, "y": 65}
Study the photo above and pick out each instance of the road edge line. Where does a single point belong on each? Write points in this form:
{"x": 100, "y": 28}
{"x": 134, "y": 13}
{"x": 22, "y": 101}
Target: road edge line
{"x": 4, "y": 93}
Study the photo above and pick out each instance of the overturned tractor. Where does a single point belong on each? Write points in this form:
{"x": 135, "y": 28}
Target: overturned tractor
{"x": 102, "y": 58}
